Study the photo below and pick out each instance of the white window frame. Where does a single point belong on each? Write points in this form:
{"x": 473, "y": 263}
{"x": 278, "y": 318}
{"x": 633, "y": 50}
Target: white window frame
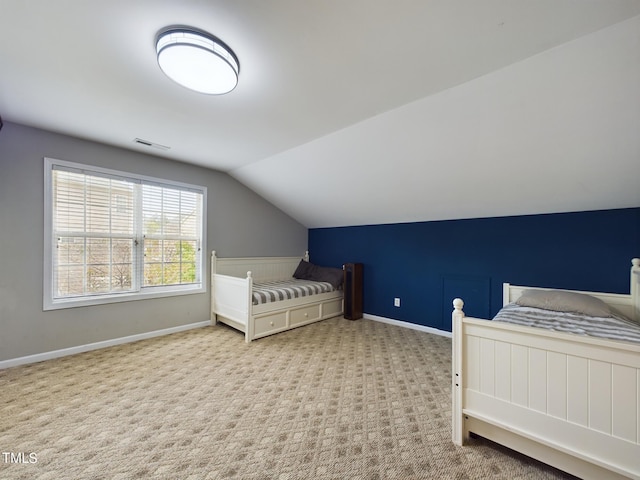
{"x": 140, "y": 293}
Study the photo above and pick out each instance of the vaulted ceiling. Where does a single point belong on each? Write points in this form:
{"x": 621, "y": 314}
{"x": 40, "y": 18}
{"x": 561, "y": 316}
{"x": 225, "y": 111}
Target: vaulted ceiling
{"x": 357, "y": 111}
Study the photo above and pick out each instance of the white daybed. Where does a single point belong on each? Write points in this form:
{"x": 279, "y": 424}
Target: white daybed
{"x": 232, "y": 284}
{"x": 571, "y": 401}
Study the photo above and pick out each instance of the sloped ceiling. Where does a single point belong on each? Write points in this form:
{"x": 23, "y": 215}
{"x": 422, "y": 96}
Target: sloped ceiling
{"x": 365, "y": 111}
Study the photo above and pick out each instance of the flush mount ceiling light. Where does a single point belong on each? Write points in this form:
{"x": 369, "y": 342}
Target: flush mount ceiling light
{"x": 197, "y": 60}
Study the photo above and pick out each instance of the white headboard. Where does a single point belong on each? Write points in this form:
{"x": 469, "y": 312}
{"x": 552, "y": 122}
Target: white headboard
{"x": 635, "y": 288}
{"x": 260, "y": 269}
{"x": 627, "y": 304}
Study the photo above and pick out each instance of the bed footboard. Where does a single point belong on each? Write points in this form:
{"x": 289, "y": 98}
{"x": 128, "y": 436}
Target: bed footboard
{"x": 231, "y": 299}
{"x": 569, "y": 401}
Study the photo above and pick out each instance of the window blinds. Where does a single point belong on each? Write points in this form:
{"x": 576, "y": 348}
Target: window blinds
{"x": 112, "y": 234}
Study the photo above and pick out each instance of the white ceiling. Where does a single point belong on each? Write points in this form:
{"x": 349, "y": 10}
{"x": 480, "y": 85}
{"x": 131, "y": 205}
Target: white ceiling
{"x": 318, "y": 78}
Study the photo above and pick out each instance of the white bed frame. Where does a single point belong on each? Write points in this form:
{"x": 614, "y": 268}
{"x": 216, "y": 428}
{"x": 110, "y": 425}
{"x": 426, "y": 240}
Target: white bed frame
{"x": 572, "y": 402}
{"x": 231, "y": 297}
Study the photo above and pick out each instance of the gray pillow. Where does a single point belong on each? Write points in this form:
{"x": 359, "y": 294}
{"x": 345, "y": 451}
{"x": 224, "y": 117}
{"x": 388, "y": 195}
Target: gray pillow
{"x": 309, "y": 271}
{"x": 304, "y": 270}
{"x": 561, "y": 301}
{"x": 328, "y": 274}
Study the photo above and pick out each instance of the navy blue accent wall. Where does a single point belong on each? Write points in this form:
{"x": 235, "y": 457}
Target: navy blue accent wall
{"x": 427, "y": 264}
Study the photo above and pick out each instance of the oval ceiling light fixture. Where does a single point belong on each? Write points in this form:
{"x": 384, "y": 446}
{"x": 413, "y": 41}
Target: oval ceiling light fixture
{"x": 197, "y": 60}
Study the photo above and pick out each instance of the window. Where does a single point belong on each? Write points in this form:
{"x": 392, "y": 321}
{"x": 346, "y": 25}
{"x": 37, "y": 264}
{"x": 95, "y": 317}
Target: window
{"x": 112, "y": 236}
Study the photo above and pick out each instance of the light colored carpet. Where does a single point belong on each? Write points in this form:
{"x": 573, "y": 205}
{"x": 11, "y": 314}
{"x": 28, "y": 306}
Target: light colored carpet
{"x": 338, "y": 399}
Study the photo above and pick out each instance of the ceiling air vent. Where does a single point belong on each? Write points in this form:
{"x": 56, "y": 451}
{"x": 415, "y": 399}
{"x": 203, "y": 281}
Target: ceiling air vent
{"x": 147, "y": 143}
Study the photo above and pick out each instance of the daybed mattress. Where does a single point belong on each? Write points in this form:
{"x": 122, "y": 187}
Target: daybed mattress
{"x": 285, "y": 290}
{"x": 612, "y": 328}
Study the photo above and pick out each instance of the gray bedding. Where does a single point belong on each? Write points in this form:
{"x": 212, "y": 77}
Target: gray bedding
{"x": 615, "y": 327}
{"x": 285, "y": 290}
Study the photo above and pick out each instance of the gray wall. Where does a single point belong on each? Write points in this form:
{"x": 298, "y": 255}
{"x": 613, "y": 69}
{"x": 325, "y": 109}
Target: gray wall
{"x": 239, "y": 223}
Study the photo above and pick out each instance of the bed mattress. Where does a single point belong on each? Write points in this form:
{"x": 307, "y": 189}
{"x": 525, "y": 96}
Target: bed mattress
{"x": 276, "y": 291}
{"x": 612, "y": 328}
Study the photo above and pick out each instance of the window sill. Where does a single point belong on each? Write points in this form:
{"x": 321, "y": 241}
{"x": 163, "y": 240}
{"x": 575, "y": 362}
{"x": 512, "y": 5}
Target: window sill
{"x": 58, "y": 304}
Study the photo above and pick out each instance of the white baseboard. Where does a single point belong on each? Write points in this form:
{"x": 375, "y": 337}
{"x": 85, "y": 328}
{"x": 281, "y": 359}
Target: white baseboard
{"x": 412, "y": 326}
{"x": 40, "y": 357}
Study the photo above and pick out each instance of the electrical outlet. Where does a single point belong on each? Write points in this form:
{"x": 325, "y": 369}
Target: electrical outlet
{"x": 396, "y": 302}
